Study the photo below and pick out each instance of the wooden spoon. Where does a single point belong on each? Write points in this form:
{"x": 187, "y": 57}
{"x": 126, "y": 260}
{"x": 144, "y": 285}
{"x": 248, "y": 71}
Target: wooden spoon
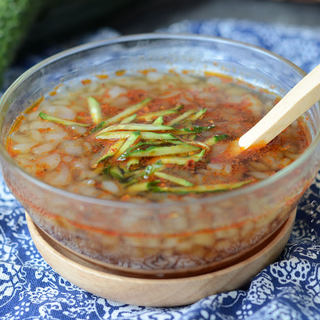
{"x": 298, "y": 100}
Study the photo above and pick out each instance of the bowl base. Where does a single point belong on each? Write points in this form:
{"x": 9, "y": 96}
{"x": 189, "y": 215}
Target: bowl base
{"x": 156, "y": 292}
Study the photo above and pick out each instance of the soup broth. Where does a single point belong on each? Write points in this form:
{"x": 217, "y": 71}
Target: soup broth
{"x": 151, "y": 137}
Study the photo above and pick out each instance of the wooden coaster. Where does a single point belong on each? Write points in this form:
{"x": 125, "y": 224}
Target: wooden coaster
{"x": 155, "y": 292}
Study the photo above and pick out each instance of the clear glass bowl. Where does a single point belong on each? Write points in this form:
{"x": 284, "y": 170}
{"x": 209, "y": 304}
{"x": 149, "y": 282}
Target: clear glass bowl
{"x": 161, "y": 239}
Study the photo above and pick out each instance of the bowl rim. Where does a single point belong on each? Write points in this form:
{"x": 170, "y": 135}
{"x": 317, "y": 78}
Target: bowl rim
{"x": 152, "y": 205}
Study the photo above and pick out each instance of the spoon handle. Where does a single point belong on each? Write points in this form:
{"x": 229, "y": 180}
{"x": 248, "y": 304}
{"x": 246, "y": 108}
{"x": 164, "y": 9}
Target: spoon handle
{"x": 298, "y": 100}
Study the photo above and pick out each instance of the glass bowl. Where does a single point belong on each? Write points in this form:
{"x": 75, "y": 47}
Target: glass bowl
{"x": 169, "y": 239}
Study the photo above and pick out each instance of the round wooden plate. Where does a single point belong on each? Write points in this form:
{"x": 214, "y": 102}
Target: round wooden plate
{"x": 155, "y": 292}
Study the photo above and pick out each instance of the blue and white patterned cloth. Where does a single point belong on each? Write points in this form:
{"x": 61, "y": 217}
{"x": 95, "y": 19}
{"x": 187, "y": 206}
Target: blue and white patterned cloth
{"x": 287, "y": 289}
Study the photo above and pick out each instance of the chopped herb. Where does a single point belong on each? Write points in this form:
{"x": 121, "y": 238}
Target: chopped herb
{"x": 213, "y": 140}
{"x": 45, "y": 116}
{"x": 198, "y": 129}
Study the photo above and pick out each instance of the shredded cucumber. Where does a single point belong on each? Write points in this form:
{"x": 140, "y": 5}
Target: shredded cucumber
{"x": 182, "y": 117}
{"x": 47, "y": 117}
{"x": 201, "y": 188}
{"x": 174, "y": 179}
{"x": 95, "y": 110}
{"x": 152, "y": 115}
{"x": 182, "y": 161}
{"x": 122, "y": 115}
{"x": 156, "y": 151}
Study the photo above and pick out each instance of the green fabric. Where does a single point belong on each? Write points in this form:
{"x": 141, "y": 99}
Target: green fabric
{"x": 16, "y": 17}
{"x": 45, "y": 20}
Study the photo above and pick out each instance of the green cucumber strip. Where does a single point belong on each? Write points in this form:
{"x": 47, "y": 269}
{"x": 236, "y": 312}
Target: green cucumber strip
{"x": 132, "y": 139}
{"x": 45, "y": 116}
{"x": 134, "y": 175}
{"x": 152, "y": 115}
{"x": 129, "y": 119}
{"x": 199, "y": 114}
{"x": 144, "y": 135}
{"x": 154, "y": 142}
{"x": 192, "y": 130}
{"x": 138, "y": 187}
{"x": 201, "y": 188}
{"x": 176, "y": 142}
{"x": 114, "y": 172}
{"x": 134, "y": 146}
{"x": 135, "y": 127}
{"x": 95, "y": 110}
{"x": 158, "y": 121}
{"x": 114, "y": 135}
{"x": 119, "y": 174}
{"x": 97, "y": 127}
{"x": 150, "y": 143}
{"x": 111, "y": 151}
{"x": 182, "y": 117}
{"x": 127, "y": 112}
{"x": 156, "y": 151}
{"x": 142, "y": 187}
{"x": 157, "y": 136}
{"x": 158, "y": 142}
{"x": 213, "y": 140}
{"x": 182, "y": 132}
{"x": 183, "y": 160}
{"x": 176, "y": 180}
{"x": 132, "y": 162}
{"x": 197, "y": 144}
